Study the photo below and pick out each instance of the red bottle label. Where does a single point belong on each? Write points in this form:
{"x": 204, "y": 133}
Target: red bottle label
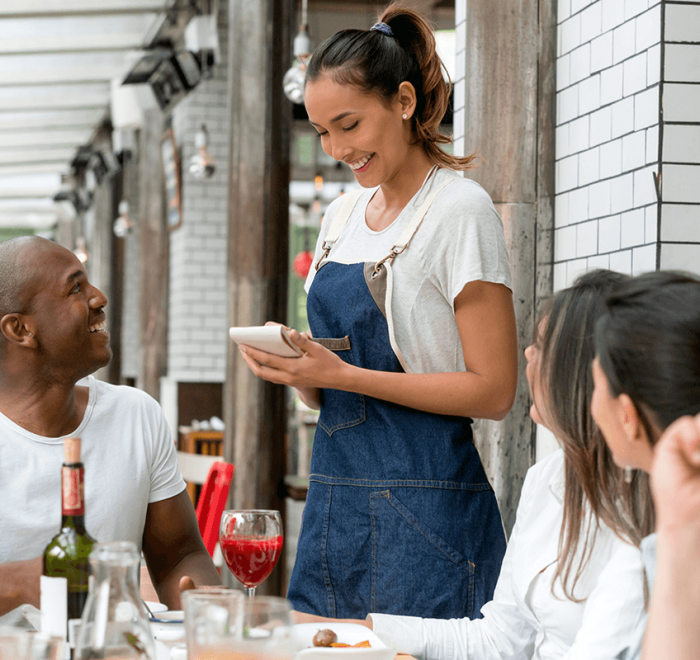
{"x": 73, "y": 491}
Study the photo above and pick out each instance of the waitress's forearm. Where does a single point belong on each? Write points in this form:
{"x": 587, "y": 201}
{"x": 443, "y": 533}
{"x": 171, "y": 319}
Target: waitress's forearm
{"x": 465, "y": 394}
{"x": 673, "y": 630}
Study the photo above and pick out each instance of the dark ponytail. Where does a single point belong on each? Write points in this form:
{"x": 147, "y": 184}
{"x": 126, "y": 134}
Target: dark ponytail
{"x": 377, "y": 63}
{"x": 648, "y": 346}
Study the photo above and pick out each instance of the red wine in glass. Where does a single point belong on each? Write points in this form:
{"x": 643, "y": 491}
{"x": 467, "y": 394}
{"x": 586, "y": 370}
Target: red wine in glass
{"x": 251, "y": 543}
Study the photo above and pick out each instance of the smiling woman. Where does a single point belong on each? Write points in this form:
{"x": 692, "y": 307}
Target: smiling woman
{"x": 411, "y": 307}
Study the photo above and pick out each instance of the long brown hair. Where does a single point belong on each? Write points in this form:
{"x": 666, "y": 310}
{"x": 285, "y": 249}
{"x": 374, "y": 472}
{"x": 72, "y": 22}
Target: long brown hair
{"x": 377, "y": 63}
{"x": 595, "y": 491}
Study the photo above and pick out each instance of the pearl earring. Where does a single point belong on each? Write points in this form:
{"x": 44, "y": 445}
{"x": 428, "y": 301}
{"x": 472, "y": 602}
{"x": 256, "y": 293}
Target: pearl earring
{"x": 628, "y": 475}
{"x": 405, "y": 116}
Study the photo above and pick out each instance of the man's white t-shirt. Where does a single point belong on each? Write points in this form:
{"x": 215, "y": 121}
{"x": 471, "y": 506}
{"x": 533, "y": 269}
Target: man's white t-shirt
{"x": 460, "y": 240}
{"x": 130, "y": 461}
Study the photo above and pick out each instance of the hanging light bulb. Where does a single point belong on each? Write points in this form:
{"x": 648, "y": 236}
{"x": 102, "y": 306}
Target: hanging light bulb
{"x": 122, "y": 225}
{"x": 80, "y": 250}
{"x": 318, "y": 182}
{"x": 202, "y": 164}
{"x": 293, "y": 81}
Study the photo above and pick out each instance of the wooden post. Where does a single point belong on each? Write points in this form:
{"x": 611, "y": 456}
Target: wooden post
{"x": 258, "y": 240}
{"x": 153, "y": 302}
{"x": 114, "y": 311}
{"x": 510, "y": 122}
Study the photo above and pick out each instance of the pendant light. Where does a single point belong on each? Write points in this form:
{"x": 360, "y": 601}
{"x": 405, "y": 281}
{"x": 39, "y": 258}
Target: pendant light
{"x": 293, "y": 81}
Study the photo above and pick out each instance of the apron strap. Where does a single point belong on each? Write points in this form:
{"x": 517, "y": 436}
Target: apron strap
{"x": 345, "y": 208}
{"x": 387, "y": 262}
{"x": 412, "y": 227}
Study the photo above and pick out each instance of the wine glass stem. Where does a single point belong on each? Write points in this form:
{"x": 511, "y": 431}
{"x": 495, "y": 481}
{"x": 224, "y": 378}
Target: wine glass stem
{"x": 250, "y": 591}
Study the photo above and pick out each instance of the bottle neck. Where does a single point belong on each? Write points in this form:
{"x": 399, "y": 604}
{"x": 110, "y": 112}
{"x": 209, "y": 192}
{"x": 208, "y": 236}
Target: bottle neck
{"x": 73, "y": 496}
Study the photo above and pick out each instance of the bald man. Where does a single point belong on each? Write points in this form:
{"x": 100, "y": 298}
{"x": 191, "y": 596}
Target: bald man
{"x": 53, "y": 335}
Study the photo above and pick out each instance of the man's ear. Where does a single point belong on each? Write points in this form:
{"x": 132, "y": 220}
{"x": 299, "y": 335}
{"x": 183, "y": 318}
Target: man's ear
{"x": 18, "y": 329}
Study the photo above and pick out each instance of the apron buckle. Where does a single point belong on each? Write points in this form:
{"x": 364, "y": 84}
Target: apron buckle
{"x": 395, "y": 252}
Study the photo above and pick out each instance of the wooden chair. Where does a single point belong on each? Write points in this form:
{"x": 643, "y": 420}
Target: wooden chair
{"x": 215, "y": 476}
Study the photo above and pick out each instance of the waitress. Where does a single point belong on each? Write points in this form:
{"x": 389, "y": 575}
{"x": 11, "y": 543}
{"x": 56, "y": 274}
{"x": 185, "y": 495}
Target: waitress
{"x": 414, "y": 335}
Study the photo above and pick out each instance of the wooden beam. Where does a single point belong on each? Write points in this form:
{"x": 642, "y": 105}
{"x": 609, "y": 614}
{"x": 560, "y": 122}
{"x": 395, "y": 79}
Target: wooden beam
{"x": 154, "y": 258}
{"x": 509, "y": 120}
{"x": 258, "y": 240}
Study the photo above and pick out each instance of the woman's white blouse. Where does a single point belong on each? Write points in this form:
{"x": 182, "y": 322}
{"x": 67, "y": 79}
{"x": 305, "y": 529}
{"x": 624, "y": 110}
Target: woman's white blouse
{"x": 524, "y": 619}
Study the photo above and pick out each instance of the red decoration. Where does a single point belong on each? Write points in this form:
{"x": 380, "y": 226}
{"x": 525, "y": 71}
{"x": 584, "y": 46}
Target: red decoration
{"x": 302, "y": 263}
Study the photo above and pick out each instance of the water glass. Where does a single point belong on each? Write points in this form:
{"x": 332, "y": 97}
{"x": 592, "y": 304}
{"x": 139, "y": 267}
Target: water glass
{"x": 225, "y": 624}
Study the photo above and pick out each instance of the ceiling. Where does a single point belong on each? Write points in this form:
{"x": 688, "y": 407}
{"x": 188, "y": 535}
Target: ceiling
{"x": 57, "y": 61}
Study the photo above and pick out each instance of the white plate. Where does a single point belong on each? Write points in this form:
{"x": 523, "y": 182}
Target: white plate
{"x": 170, "y": 617}
{"x": 156, "y": 607}
{"x": 348, "y": 633}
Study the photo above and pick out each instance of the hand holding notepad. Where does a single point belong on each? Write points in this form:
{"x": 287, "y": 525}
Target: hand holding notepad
{"x": 269, "y": 338}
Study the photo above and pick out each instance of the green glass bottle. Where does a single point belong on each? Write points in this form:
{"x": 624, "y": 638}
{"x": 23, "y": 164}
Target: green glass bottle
{"x": 65, "y": 579}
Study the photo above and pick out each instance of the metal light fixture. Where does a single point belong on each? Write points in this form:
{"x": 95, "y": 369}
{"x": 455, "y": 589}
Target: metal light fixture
{"x": 202, "y": 164}
{"x": 122, "y": 225}
{"x": 293, "y": 81}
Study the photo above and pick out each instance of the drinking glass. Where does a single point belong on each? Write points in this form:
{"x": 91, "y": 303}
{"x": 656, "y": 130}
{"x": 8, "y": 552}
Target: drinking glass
{"x": 251, "y": 543}
{"x": 224, "y": 625}
{"x": 45, "y": 647}
{"x": 29, "y": 645}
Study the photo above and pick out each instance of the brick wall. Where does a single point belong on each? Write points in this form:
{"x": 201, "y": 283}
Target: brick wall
{"x": 459, "y": 79}
{"x": 679, "y": 227}
{"x": 607, "y": 136}
{"x": 197, "y": 311}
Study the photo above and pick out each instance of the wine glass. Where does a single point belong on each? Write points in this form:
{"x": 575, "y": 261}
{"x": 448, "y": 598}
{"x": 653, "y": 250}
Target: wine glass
{"x": 251, "y": 543}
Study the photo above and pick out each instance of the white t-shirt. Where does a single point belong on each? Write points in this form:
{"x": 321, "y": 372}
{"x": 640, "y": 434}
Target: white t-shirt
{"x": 460, "y": 240}
{"x": 129, "y": 459}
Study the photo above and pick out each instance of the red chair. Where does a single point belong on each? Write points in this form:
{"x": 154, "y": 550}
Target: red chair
{"x": 212, "y": 502}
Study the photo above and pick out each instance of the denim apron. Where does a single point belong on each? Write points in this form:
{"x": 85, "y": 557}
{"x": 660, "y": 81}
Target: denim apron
{"x": 400, "y": 517}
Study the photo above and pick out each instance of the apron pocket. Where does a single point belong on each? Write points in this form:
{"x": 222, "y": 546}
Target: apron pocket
{"x": 414, "y": 570}
{"x": 340, "y": 409}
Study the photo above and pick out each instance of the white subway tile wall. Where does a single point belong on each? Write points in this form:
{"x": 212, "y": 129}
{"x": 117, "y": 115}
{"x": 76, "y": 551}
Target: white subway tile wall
{"x": 627, "y": 186}
{"x": 606, "y": 208}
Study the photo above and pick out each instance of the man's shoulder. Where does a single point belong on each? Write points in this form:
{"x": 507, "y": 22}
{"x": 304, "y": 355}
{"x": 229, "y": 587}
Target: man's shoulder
{"x": 120, "y": 395}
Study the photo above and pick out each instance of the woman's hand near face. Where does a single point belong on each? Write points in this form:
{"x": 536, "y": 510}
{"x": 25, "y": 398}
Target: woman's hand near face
{"x": 675, "y": 474}
{"x": 672, "y": 630}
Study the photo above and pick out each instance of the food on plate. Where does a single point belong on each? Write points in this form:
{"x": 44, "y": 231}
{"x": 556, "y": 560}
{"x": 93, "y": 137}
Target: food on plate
{"x": 327, "y": 638}
{"x": 359, "y": 645}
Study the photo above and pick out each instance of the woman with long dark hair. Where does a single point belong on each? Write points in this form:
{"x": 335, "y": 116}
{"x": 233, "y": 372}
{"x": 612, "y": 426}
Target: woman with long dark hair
{"x": 572, "y": 583}
{"x": 411, "y": 311}
{"x": 647, "y": 385}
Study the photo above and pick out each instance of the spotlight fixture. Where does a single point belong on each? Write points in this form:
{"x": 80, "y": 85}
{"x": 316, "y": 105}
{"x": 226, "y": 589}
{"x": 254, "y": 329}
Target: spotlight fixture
{"x": 202, "y": 164}
{"x": 122, "y": 225}
{"x": 293, "y": 81}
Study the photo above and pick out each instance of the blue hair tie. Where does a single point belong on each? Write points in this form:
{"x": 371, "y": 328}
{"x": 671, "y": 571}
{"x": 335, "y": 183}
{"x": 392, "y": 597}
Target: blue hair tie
{"x": 382, "y": 27}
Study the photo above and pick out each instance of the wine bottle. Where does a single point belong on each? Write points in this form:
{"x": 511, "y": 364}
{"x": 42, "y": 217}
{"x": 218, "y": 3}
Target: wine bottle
{"x": 66, "y": 570}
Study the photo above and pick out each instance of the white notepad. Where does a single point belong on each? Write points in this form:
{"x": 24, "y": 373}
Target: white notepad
{"x": 269, "y": 338}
